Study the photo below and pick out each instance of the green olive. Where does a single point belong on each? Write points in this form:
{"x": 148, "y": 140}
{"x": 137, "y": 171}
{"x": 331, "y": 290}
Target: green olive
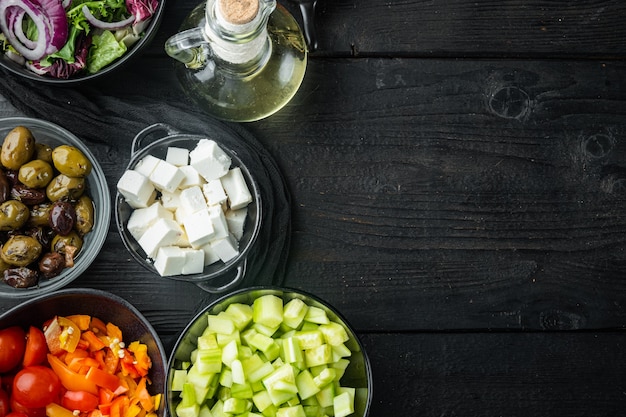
{"x": 43, "y": 152}
{"x": 63, "y": 186}
{"x": 84, "y": 215}
{"x": 61, "y": 244}
{"x": 71, "y": 161}
{"x": 35, "y": 174}
{"x": 18, "y": 148}
{"x": 13, "y": 215}
{"x": 20, "y": 250}
{"x": 39, "y": 215}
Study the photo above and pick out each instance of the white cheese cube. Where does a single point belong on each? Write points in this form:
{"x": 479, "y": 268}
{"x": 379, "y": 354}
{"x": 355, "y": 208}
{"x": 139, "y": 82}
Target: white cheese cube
{"x": 210, "y": 256}
{"x": 194, "y": 261}
{"x": 192, "y": 200}
{"x": 209, "y": 160}
{"x": 170, "y": 260}
{"x": 226, "y": 248}
{"x": 214, "y": 192}
{"x": 170, "y": 200}
{"x": 199, "y": 228}
{"x": 166, "y": 176}
{"x": 236, "y": 219}
{"x": 192, "y": 178}
{"x": 183, "y": 240}
{"x": 141, "y": 219}
{"x": 136, "y": 189}
{"x": 177, "y": 156}
{"x": 164, "y": 232}
{"x": 236, "y": 188}
{"x": 146, "y": 165}
{"x": 220, "y": 226}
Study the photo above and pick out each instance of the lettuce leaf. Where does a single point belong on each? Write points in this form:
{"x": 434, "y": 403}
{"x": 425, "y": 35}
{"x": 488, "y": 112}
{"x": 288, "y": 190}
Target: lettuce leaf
{"x": 104, "y": 50}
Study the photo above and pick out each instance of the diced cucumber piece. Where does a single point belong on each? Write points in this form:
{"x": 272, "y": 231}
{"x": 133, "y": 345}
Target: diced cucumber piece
{"x": 306, "y": 385}
{"x": 221, "y": 323}
{"x": 295, "y": 411}
{"x": 240, "y": 313}
{"x": 267, "y": 310}
{"x": 265, "y": 344}
{"x": 341, "y": 351}
{"x": 247, "y": 335}
{"x": 266, "y": 330}
{"x": 320, "y": 355}
{"x": 179, "y": 378}
{"x": 312, "y": 410}
{"x": 334, "y": 333}
{"x": 230, "y": 352}
{"x": 207, "y": 341}
{"x": 199, "y": 379}
{"x": 218, "y": 409}
{"x": 294, "y": 313}
{"x": 226, "y": 378}
{"x": 224, "y": 339}
{"x": 325, "y": 377}
{"x": 292, "y": 353}
{"x": 343, "y": 405}
{"x": 316, "y": 315}
{"x": 262, "y": 400}
{"x": 236, "y": 368}
{"x": 205, "y": 411}
{"x": 255, "y": 368}
{"x": 188, "y": 407}
{"x": 241, "y": 391}
{"x": 237, "y": 405}
{"x": 309, "y": 339}
{"x": 209, "y": 361}
{"x": 326, "y": 395}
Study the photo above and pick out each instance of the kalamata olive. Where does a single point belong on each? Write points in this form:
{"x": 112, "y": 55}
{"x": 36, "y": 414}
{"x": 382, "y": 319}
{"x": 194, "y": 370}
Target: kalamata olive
{"x": 12, "y": 176}
{"x": 13, "y": 215}
{"x": 71, "y": 161}
{"x": 84, "y": 215}
{"x": 35, "y": 174}
{"x": 44, "y": 235}
{"x": 51, "y": 264}
{"x": 39, "y": 214}
{"x": 66, "y": 187}
{"x": 5, "y": 187}
{"x": 43, "y": 152}
{"x": 28, "y": 196}
{"x": 18, "y": 148}
{"x": 20, "y": 250}
{"x": 62, "y": 217}
{"x": 21, "y": 277}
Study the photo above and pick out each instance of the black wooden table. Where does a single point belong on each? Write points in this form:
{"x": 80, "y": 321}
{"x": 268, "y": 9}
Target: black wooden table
{"x": 458, "y": 182}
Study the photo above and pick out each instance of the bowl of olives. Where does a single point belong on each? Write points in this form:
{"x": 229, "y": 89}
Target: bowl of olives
{"x": 54, "y": 207}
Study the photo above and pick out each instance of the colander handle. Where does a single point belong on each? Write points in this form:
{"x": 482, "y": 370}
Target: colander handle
{"x": 138, "y": 140}
{"x": 241, "y": 272}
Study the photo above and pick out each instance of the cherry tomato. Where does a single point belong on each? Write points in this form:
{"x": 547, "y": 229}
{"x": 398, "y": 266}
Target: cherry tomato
{"x": 12, "y": 345}
{"x": 36, "y": 386}
{"x": 5, "y": 403}
{"x": 30, "y": 412}
{"x": 17, "y": 414}
{"x": 79, "y": 400}
{"x": 36, "y": 347}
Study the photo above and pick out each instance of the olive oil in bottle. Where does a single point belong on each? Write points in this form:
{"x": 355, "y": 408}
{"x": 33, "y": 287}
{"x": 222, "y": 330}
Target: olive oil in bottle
{"x": 239, "y": 60}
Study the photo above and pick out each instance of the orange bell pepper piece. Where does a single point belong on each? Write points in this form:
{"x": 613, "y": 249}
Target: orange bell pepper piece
{"x": 69, "y": 379}
{"x": 94, "y": 342}
{"x": 82, "y": 321}
{"x": 102, "y": 378}
{"x": 114, "y": 332}
{"x": 144, "y": 397}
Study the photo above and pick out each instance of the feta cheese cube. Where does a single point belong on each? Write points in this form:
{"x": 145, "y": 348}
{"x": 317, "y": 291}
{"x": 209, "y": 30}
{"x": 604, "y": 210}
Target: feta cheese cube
{"x": 236, "y": 188}
{"x": 170, "y": 200}
{"x": 194, "y": 261}
{"x": 220, "y": 226}
{"x": 177, "y": 156}
{"x": 210, "y": 257}
{"x": 170, "y": 260}
{"x": 209, "y": 160}
{"x": 192, "y": 200}
{"x": 146, "y": 165}
{"x": 166, "y": 176}
{"x": 141, "y": 219}
{"x": 199, "y": 228}
{"x": 236, "y": 219}
{"x": 226, "y": 248}
{"x": 192, "y": 178}
{"x": 136, "y": 189}
{"x": 183, "y": 240}
{"x": 164, "y": 232}
{"x": 214, "y": 192}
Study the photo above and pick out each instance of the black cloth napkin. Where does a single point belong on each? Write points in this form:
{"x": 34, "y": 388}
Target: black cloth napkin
{"x": 95, "y": 115}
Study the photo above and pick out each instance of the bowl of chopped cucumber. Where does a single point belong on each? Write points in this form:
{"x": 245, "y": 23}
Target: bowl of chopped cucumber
{"x": 268, "y": 351}
{"x": 82, "y": 40}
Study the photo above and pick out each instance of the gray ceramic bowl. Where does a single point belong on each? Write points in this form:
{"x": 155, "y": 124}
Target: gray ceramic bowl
{"x": 133, "y": 51}
{"x": 103, "y": 305}
{"x": 53, "y": 135}
{"x": 357, "y": 375}
{"x": 219, "y": 276}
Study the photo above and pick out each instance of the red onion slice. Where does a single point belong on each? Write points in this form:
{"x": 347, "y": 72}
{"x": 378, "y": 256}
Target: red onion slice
{"x": 95, "y": 22}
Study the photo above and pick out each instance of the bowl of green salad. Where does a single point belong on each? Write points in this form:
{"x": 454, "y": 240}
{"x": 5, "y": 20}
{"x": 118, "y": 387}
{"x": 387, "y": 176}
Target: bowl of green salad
{"x": 70, "y": 41}
{"x": 265, "y": 351}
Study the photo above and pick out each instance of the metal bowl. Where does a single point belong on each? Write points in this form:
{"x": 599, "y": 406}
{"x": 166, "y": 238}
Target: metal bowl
{"x": 149, "y": 33}
{"x": 97, "y": 189}
{"x": 105, "y": 306}
{"x": 217, "y": 277}
{"x": 357, "y": 375}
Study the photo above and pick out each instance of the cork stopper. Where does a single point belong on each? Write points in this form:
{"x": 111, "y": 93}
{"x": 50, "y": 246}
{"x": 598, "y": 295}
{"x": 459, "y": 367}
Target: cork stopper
{"x": 238, "y": 12}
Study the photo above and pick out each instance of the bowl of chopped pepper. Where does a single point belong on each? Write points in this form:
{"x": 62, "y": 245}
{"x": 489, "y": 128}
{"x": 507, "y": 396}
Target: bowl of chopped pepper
{"x": 81, "y": 352}
{"x": 70, "y": 41}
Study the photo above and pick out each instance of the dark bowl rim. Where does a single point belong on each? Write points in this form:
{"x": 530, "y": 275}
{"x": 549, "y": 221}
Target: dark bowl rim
{"x": 150, "y": 33}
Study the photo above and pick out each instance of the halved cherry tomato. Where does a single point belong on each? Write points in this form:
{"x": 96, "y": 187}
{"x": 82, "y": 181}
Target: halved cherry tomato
{"x": 30, "y": 412}
{"x": 79, "y": 400}
{"x": 36, "y": 347}
{"x": 36, "y": 386}
{"x": 12, "y": 345}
